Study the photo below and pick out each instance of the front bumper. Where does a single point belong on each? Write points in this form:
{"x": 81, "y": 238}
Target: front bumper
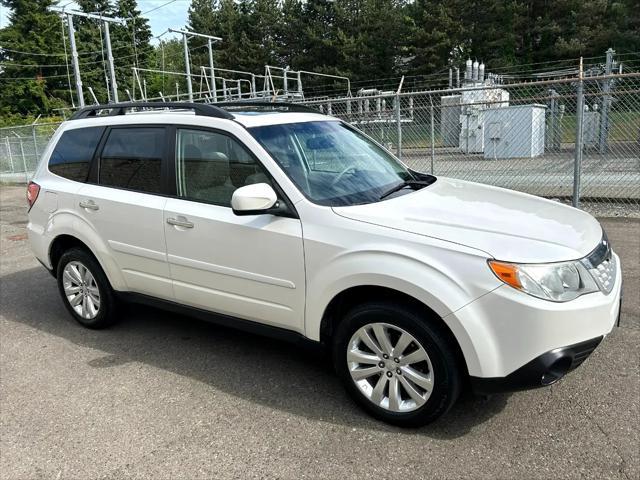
{"x": 542, "y": 371}
{"x": 506, "y": 330}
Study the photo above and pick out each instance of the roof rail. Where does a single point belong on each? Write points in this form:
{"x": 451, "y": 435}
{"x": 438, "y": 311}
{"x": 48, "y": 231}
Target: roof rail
{"x": 203, "y": 109}
{"x": 252, "y": 105}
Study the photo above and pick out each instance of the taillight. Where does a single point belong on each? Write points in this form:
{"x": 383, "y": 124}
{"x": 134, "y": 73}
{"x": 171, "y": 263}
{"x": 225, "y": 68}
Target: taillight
{"x": 33, "y": 189}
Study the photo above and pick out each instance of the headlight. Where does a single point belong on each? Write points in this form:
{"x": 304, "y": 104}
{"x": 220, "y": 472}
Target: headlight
{"x": 557, "y": 282}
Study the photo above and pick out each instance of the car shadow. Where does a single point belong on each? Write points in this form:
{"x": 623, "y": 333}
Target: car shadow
{"x": 248, "y": 366}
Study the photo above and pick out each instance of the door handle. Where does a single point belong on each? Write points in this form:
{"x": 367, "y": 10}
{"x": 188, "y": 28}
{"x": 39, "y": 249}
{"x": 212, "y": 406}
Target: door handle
{"x": 89, "y": 205}
{"x": 179, "y": 223}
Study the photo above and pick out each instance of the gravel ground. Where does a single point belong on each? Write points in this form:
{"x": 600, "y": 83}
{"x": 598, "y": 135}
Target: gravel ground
{"x": 166, "y": 396}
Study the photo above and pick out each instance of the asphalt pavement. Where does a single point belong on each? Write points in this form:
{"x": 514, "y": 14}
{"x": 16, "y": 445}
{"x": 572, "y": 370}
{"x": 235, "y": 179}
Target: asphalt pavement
{"x": 165, "y": 396}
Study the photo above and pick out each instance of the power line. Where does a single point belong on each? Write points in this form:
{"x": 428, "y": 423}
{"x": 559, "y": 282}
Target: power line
{"x": 44, "y": 77}
{"x": 38, "y": 65}
{"x": 159, "y": 7}
{"x": 55, "y": 54}
{"x": 33, "y": 53}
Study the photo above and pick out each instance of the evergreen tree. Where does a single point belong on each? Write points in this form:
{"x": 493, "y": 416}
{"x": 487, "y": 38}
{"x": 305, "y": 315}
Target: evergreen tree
{"x": 362, "y": 39}
{"x": 131, "y": 41}
{"x": 167, "y": 56}
{"x": 497, "y": 43}
{"x": 290, "y": 45}
{"x": 319, "y": 37}
{"x": 437, "y": 35}
{"x": 202, "y": 19}
{"x": 372, "y": 40}
{"x": 34, "y": 81}
{"x": 264, "y": 20}
{"x": 231, "y": 52}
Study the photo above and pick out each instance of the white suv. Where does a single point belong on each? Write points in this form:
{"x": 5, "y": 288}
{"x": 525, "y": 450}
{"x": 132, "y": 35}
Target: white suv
{"x": 275, "y": 217}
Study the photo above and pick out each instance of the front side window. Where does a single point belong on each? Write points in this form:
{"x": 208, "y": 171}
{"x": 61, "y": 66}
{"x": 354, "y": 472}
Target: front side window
{"x": 132, "y": 159}
{"x": 73, "y": 153}
{"x": 332, "y": 163}
{"x": 210, "y": 166}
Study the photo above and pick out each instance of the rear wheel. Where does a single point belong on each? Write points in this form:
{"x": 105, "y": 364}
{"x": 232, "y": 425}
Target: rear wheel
{"x": 85, "y": 290}
{"x": 396, "y": 364}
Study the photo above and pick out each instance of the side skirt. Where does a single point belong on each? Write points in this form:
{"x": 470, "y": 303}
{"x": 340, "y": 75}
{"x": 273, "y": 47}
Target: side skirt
{"x": 221, "y": 319}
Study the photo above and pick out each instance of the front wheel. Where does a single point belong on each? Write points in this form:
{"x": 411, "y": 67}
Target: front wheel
{"x": 396, "y": 364}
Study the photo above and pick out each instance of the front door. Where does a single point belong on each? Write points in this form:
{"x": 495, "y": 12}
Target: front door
{"x": 250, "y": 267}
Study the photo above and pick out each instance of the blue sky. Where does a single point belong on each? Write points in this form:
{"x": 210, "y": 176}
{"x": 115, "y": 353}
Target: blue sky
{"x": 172, "y": 15}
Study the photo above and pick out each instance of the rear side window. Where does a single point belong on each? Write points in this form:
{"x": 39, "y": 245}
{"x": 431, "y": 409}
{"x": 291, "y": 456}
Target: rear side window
{"x": 73, "y": 153}
{"x": 132, "y": 159}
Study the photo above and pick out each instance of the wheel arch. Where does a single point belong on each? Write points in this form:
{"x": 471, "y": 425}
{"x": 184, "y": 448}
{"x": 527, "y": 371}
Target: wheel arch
{"x": 65, "y": 241}
{"x": 357, "y": 295}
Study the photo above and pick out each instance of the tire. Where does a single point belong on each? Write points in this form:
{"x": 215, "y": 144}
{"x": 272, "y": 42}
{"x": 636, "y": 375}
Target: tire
{"x": 435, "y": 381}
{"x": 96, "y": 306}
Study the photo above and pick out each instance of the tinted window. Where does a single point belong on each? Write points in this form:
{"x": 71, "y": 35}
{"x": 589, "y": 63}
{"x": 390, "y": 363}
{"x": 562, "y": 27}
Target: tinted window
{"x": 73, "y": 152}
{"x": 132, "y": 159}
{"x": 211, "y": 166}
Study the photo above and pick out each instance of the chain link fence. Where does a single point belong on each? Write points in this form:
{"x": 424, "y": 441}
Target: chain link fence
{"x": 20, "y": 150}
{"x": 569, "y": 139}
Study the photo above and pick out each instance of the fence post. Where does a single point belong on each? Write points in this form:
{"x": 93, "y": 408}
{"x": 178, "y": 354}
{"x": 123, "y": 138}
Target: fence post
{"x": 577, "y": 166}
{"x": 433, "y": 146}
{"x": 35, "y": 144}
{"x": 24, "y": 160}
{"x": 399, "y": 125}
{"x": 606, "y": 105}
{"x": 6, "y": 140}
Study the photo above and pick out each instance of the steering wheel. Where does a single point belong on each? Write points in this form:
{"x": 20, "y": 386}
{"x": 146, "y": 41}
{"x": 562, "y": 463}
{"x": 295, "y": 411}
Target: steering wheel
{"x": 342, "y": 174}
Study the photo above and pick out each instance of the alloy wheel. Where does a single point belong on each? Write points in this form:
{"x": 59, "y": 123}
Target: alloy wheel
{"x": 390, "y": 367}
{"x": 81, "y": 290}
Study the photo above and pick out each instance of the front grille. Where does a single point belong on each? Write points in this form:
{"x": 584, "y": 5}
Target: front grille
{"x": 602, "y": 265}
{"x": 605, "y": 274}
{"x": 582, "y": 351}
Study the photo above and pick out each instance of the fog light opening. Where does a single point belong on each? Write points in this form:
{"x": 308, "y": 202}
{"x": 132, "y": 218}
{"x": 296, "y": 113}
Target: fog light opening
{"x": 557, "y": 370}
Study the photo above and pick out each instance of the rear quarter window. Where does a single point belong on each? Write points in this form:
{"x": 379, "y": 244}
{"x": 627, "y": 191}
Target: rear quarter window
{"x": 72, "y": 154}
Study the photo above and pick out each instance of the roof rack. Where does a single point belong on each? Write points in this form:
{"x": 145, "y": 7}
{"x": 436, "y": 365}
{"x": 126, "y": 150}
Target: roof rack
{"x": 203, "y": 109}
{"x": 251, "y": 105}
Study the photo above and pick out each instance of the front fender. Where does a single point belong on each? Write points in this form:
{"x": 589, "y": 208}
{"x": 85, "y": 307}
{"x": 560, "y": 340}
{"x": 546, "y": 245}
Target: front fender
{"x": 444, "y": 286}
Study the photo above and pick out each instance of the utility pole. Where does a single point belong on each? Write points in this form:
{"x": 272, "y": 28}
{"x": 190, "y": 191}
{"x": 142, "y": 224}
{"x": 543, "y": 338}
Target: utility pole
{"x": 112, "y": 70}
{"x": 74, "y": 59}
{"x": 210, "y": 39}
{"x": 74, "y": 51}
{"x": 187, "y": 67}
{"x": 213, "y": 75}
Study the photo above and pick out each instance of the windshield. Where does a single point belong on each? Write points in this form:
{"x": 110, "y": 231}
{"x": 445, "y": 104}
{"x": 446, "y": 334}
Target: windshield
{"x": 332, "y": 163}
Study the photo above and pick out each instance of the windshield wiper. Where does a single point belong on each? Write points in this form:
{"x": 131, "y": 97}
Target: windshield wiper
{"x": 405, "y": 184}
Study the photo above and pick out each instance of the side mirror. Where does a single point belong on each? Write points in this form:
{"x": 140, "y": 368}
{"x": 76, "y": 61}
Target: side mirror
{"x": 254, "y": 199}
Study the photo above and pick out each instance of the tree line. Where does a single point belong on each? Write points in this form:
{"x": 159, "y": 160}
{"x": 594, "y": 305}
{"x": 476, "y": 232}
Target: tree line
{"x": 363, "y": 39}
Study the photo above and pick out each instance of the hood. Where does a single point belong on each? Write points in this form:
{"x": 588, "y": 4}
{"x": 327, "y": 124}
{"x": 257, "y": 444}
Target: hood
{"x": 507, "y": 225}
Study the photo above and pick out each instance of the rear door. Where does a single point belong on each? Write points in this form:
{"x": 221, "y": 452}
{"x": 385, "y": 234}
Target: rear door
{"x": 250, "y": 267}
{"x": 124, "y": 202}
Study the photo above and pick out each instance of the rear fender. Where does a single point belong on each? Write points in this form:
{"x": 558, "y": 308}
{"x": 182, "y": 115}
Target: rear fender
{"x": 67, "y": 222}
